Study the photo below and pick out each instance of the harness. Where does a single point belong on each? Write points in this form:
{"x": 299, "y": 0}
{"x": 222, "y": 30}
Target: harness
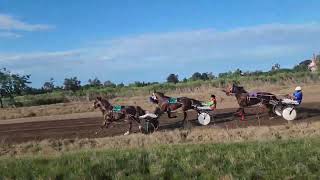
{"x": 252, "y": 95}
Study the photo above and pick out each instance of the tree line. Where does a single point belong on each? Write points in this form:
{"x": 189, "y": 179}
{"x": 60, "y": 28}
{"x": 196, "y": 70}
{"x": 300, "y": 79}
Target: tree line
{"x": 14, "y": 84}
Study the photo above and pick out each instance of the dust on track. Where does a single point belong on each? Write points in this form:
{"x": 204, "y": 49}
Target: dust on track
{"x": 86, "y": 127}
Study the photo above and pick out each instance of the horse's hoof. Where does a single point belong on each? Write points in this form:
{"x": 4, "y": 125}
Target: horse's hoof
{"x": 127, "y": 133}
{"x": 140, "y": 127}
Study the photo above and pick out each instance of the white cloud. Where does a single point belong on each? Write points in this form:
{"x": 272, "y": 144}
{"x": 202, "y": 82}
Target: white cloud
{"x": 264, "y": 41}
{"x": 255, "y": 47}
{"x": 40, "y": 56}
{"x": 267, "y": 41}
{"x": 11, "y": 23}
{"x": 9, "y": 35}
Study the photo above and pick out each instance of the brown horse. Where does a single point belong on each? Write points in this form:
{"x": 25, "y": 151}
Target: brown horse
{"x": 246, "y": 99}
{"x": 168, "y": 104}
{"x": 110, "y": 114}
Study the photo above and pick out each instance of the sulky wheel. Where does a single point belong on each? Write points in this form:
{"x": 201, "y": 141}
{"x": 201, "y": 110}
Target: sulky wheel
{"x": 149, "y": 126}
{"x": 289, "y": 113}
{"x": 204, "y": 118}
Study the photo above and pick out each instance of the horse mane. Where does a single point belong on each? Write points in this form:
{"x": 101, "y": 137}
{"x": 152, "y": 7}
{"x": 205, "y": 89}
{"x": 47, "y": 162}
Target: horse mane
{"x": 161, "y": 94}
{"x": 104, "y": 102}
{"x": 239, "y": 89}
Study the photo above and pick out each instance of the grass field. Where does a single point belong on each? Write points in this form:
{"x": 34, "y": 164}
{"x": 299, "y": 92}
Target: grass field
{"x": 288, "y": 159}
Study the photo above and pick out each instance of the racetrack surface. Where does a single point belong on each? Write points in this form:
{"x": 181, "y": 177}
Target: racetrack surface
{"x": 86, "y": 127}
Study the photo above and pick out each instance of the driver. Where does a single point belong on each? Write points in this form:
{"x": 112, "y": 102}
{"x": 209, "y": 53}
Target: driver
{"x": 212, "y": 104}
{"x": 296, "y": 97}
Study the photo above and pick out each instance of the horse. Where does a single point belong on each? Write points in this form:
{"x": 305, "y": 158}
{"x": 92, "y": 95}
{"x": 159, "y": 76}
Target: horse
{"x": 168, "y": 104}
{"x": 246, "y": 99}
{"x": 115, "y": 113}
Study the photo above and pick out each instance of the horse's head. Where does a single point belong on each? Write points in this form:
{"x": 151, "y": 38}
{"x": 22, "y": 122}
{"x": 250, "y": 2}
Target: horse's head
{"x": 228, "y": 90}
{"x": 101, "y": 103}
{"x": 156, "y": 96}
{"x": 140, "y": 111}
{"x": 153, "y": 100}
{"x": 234, "y": 89}
{"x": 97, "y": 103}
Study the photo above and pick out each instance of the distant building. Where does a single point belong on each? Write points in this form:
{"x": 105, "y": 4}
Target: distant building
{"x": 313, "y": 66}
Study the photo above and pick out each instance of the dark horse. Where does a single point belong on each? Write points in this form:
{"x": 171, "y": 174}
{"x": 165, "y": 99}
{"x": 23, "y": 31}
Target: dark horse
{"x": 168, "y": 104}
{"x": 128, "y": 113}
{"x": 246, "y": 99}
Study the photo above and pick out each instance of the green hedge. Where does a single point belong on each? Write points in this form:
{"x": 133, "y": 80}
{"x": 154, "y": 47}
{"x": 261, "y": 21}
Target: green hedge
{"x": 41, "y": 99}
{"x": 282, "y": 78}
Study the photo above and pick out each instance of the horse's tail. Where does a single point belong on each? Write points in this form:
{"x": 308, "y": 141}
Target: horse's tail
{"x": 267, "y": 97}
{"x": 194, "y": 102}
{"x": 157, "y": 111}
{"x": 140, "y": 111}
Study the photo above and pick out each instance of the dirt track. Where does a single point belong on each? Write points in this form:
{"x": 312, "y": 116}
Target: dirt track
{"x": 85, "y": 127}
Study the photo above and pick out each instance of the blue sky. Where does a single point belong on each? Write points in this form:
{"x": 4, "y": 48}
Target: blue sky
{"x": 143, "y": 40}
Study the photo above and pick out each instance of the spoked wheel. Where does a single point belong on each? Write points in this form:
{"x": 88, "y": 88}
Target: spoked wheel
{"x": 289, "y": 113}
{"x": 149, "y": 126}
{"x": 204, "y": 118}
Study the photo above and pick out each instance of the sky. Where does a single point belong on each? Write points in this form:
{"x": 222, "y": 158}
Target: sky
{"x": 143, "y": 40}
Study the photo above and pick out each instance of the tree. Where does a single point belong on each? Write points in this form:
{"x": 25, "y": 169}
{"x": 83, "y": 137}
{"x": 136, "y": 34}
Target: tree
{"x": 237, "y": 72}
{"x": 121, "y": 85}
{"x": 185, "y": 80}
{"x": 95, "y": 82}
{"x": 196, "y": 76}
{"x": 12, "y": 84}
{"x": 210, "y": 76}
{"x": 275, "y": 67}
{"x": 173, "y": 78}
{"x": 139, "y": 84}
{"x": 302, "y": 66}
{"x": 204, "y": 76}
{"x": 72, "y": 84}
{"x": 225, "y": 75}
{"x": 109, "y": 84}
{"x": 49, "y": 85}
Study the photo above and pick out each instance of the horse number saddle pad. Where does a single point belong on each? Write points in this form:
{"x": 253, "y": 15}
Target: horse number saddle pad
{"x": 117, "y": 108}
{"x": 173, "y": 100}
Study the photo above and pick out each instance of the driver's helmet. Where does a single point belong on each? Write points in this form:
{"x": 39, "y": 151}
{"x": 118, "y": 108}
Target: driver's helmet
{"x": 298, "y": 88}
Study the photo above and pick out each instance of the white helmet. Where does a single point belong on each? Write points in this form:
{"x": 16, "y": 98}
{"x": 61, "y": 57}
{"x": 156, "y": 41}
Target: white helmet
{"x": 298, "y": 88}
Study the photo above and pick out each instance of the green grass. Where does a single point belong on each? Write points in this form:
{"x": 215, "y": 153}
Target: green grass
{"x": 298, "y": 159}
